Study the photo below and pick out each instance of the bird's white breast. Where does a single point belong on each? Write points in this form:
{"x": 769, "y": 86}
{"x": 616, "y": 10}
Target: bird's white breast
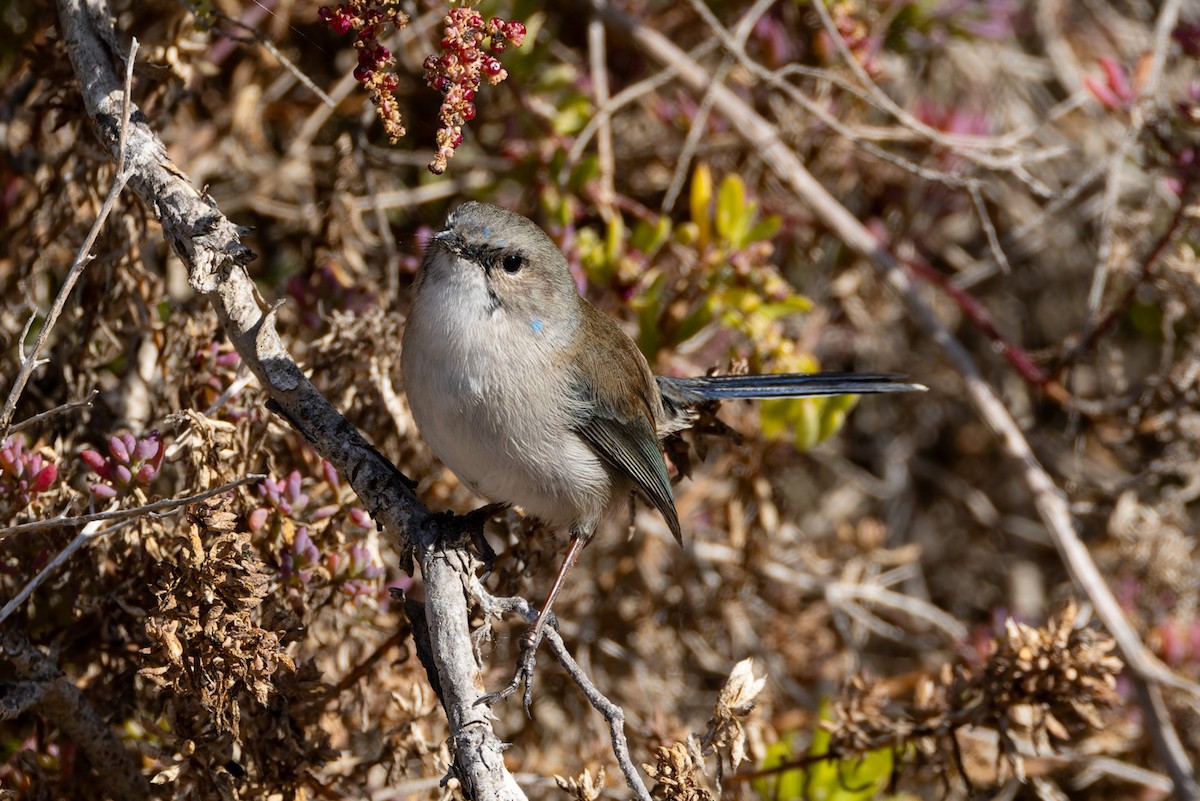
{"x": 492, "y": 399}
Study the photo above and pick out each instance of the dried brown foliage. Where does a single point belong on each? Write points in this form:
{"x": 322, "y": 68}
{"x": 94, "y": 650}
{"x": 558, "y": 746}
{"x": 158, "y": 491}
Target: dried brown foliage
{"x": 250, "y": 648}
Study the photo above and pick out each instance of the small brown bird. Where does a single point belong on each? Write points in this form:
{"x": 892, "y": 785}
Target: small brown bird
{"x": 535, "y": 398}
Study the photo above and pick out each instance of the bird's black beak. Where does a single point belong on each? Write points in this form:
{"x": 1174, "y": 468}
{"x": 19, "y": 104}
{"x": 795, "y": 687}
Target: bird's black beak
{"x": 450, "y": 240}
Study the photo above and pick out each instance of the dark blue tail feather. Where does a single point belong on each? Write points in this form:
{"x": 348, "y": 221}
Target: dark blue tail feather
{"x": 689, "y": 391}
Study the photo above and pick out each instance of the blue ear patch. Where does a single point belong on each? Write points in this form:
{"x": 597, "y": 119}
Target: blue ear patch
{"x": 537, "y": 325}
{"x": 487, "y": 232}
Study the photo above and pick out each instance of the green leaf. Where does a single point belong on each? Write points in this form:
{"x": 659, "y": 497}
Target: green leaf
{"x": 688, "y": 234}
{"x": 650, "y": 238}
{"x": 773, "y": 418}
{"x": 583, "y": 173}
{"x": 648, "y": 305}
{"x": 763, "y": 230}
{"x": 860, "y": 779}
{"x": 614, "y": 239}
{"x": 832, "y": 420}
{"x": 572, "y": 115}
{"x": 693, "y": 324}
{"x": 807, "y": 421}
{"x": 786, "y": 785}
{"x": 794, "y": 304}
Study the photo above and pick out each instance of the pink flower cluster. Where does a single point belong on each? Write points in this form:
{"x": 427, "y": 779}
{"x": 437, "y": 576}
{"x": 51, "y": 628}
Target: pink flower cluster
{"x": 23, "y": 474}
{"x": 132, "y": 463}
{"x": 286, "y": 506}
{"x": 458, "y": 72}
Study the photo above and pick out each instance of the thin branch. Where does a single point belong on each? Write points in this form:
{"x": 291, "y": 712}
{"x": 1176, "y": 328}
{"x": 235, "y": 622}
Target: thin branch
{"x": 1168, "y": 17}
{"x": 57, "y": 700}
{"x": 136, "y": 511}
{"x": 618, "y": 101}
{"x": 29, "y": 361}
{"x": 1098, "y": 329}
{"x": 598, "y": 66}
{"x": 90, "y": 532}
{"x": 979, "y": 316}
{"x": 258, "y": 37}
{"x": 427, "y": 193}
{"x": 985, "y": 220}
{"x": 396, "y": 408}
{"x": 612, "y": 713}
{"x": 973, "y": 148}
{"x": 86, "y": 403}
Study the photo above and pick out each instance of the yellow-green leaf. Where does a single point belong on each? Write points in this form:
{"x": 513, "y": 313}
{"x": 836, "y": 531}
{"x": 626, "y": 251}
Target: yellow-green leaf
{"x": 649, "y": 238}
{"x": 701, "y": 197}
{"x": 731, "y": 202}
{"x": 763, "y": 230}
{"x": 614, "y": 240}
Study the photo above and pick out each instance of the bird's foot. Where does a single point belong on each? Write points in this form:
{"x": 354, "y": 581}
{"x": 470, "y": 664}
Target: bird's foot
{"x": 530, "y": 641}
{"x": 470, "y": 526}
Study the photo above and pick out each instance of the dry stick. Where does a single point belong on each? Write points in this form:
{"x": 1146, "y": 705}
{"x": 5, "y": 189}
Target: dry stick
{"x": 136, "y": 511}
{"x": 59, "y": 700}
{"x": 1147, "y": 95}
{"x": 258, "y": 37}
{"x": 621, "y": 99}
{"x": 29, "y": 362}
{"x": 598, "y": 67}
{"x": 90, "y": 532}
{"x": 699, "y": 122}
{"x": 972, "y": 148}
{"x": 1049, "y": 500}
{"x": 208, "y": 243}
{"x": 92, "y": 529}
{"x": 65, "y": 407}
{"x": 391, "y": 255}
{"x": 612, "y": 713}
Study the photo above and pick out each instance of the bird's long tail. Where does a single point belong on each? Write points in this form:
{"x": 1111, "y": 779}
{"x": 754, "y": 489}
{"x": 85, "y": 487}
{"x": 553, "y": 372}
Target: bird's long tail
{"x": 682, "y": 396}
{"x": 785, "y": 385}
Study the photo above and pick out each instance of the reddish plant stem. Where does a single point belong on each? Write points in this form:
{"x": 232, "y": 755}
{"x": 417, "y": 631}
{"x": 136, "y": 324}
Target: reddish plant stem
{"x": 1089, "y": 339}
{"x": 1017, "y": 356}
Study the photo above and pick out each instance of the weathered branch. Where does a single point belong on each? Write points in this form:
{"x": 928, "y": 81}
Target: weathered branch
{"x": 209, "y": 244}
{"x": 46, "y": 691}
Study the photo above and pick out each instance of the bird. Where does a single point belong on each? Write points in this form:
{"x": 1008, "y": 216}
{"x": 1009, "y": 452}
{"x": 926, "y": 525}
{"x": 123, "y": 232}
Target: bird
{"x": 534, "y": 398}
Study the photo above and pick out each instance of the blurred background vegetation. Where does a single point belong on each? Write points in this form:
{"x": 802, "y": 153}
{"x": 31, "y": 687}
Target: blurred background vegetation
{"x": 1035, "y": 163}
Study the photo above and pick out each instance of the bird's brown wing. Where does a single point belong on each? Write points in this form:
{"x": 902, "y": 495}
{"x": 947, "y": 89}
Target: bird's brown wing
{"x": 621, "y": 405}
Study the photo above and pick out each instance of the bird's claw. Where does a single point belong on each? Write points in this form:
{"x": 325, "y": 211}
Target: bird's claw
{"x": 524, "y": 675}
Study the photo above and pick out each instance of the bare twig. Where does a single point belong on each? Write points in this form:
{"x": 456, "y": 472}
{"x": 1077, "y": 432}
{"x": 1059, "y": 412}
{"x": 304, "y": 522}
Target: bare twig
{"x": 86, "y": 403}
{"x": 612, "y": 713}
{"x": 1168, "y": 16}
{"x": 391, "y": 254}
{"x": 973, "y": 148}
{"x": 258, "y": 37}
{"x": 90, "y": 532}
{"x": 618, "y": 101}
{"x": 418, "y": 195}
{"x": 29, "y": 361}
{"x": 1048, "y": 499}
{"x": 598, "y": 66}
{"x": 136, "y": 511}
{"x": 396, "y": 408}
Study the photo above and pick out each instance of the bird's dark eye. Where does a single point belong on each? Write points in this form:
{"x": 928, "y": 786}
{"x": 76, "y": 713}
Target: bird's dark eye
{"x": 512, "y": 263}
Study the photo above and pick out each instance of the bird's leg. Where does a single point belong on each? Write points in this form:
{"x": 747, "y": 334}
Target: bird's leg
{"x": 533, "y": 635}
